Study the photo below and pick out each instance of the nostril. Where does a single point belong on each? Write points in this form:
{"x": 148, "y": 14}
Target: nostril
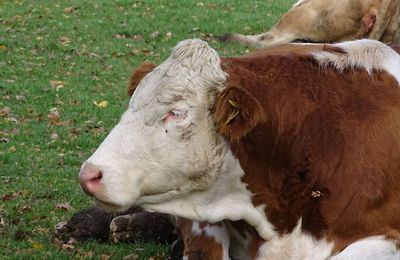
{"x": 97, "y": 176}
{"x": 90, "y": 178}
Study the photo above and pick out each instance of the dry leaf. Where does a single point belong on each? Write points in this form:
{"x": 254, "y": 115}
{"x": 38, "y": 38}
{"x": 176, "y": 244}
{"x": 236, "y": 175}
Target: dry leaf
{"x": 168, "y": 35}
{"x": 57, "y": 84}
{"x": 105, "y": 257}
{"x": 67, "y": 247}
{"x": 154, "y": 35}
{"x": 54, "y": 137}
{"x": 5, "y": 111}
{"x": 68, "y": 10}
{"x": 54, "y": 116}
{"x": 20, "y": 97}
{"x": 101, "y": 104}
{"x": 37, "y": 246}
{"x": 25, "y": 208}
{"x": 64, "y": 206}
{"x": 64, "y": 40}
{"x": 131, "y": 257}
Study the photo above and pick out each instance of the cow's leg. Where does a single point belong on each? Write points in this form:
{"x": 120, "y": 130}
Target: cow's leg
{"x": 203, "y": 241}
{"x": 269, "y": 38}
{"x": 371, "y": 248}
{"x": 314, "y": 21}
{"x": 382, "y": 8}
{"x": 387, "y": 27}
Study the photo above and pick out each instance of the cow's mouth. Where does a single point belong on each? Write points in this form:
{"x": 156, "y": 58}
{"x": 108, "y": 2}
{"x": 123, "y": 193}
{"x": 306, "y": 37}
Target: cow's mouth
{"x": 111, "y": 206}
{"x": 159, "y": 197}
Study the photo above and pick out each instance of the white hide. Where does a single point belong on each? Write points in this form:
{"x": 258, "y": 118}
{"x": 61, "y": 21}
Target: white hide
{"x": 372, "y": 248}
{"x": 296, "y": 245}
{"x": 362, "y": 54}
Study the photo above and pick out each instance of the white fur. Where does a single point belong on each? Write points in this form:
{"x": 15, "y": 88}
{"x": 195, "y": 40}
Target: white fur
{"x": 362, "y": 54}
{"x": 296, "y": 245}
{"x": 372, "y": 248}
{"x": 226, "y": 199}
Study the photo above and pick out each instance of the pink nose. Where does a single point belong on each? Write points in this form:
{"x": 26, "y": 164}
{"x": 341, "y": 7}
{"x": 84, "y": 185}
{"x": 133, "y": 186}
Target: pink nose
{"x": 90, "y": 178}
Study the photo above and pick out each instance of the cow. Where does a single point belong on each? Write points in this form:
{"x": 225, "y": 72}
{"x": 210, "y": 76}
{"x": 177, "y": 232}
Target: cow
{"x": 291, "y": 152}
{"x": 330, "y": 21}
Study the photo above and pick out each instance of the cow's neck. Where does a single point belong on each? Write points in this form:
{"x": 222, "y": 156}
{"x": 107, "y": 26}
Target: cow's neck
{"x": 274, "y": 170}
{"x": 227, "y": 199}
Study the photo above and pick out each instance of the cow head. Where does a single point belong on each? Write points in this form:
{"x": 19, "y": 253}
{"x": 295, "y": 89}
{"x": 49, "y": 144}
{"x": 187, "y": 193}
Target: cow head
{"x": 170, "y": 150}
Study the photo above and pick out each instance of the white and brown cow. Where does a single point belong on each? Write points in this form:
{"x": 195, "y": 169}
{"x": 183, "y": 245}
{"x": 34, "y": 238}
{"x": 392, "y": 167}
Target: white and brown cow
{"x": 330, "y": 21}
{"x": 293, "y": 151}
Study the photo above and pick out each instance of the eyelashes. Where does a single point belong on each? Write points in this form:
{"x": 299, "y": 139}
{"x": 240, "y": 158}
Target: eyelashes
{"x": 178, "y": 114}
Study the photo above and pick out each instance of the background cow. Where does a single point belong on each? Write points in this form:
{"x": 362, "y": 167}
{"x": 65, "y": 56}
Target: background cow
{"x": 296, "y": 149}
{"x": 330, "y": 21}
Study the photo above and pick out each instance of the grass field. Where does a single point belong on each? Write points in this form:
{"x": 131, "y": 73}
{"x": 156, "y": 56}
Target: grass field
{"x": 63, "y": 72}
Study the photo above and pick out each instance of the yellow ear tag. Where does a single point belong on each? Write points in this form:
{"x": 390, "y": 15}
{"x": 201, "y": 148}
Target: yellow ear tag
{"x": 234, "y": 113}
{"x": 233, "y": 103}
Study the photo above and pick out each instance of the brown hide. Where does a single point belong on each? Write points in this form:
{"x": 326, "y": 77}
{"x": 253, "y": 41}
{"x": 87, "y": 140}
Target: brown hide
{"x": 329, "y": 150}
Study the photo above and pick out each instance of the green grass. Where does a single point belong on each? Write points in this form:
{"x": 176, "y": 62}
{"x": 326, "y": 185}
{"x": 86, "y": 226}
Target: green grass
{"x": 90, "y": 47}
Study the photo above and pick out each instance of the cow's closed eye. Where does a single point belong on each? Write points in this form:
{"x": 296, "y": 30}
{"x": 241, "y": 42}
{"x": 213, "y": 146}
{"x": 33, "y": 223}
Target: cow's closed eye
{"x": 176, "y": 115}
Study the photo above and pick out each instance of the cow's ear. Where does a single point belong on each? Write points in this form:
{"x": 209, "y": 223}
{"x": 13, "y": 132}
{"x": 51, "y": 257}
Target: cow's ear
{"x": 237, "y": 112}
{"x": 138, "y": 74}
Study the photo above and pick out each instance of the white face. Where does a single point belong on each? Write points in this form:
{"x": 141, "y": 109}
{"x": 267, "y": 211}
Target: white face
{"x": 166, "y": 144}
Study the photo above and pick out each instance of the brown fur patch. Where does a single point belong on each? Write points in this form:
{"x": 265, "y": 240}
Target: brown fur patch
{"x": 237, "y": 120}
{"x": 138, "y": 74}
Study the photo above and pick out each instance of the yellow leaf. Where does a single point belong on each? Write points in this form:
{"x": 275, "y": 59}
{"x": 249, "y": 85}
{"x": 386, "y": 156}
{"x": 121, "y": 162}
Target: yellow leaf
{"x": 101, "y": 104}
{"x": 37, "y": 246}
{"x": 2, "y": 46}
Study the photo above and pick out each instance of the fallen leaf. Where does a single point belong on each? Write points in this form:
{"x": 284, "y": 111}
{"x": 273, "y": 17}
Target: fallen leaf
{"x": 12, "y": 149}
{"x": 20, "y": 97}
{"x": 54, "y": 137}
{"x": 68, "y": 10}
{"x": 137, "y": 37}
{"x": 37, "y": 246}
{"x": 105, "y": 257}
{"x": 4, "y": 140}
{"x": 119, "y": 36}
{"x": 101, "y": 104}
{"x": 168, "y": 35}
{"x": 57, "y": 84}
{"x": 64, "y": 206}
{"x": 25, "y": 208}
{"x": 54, "y": 116}
{"x": 154, "y": 35}
{"x": 64, "y": 40}
{"x": 67, "y": 247}
{"x": 5, "y": 111}
{"x": 131, "y": 257}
